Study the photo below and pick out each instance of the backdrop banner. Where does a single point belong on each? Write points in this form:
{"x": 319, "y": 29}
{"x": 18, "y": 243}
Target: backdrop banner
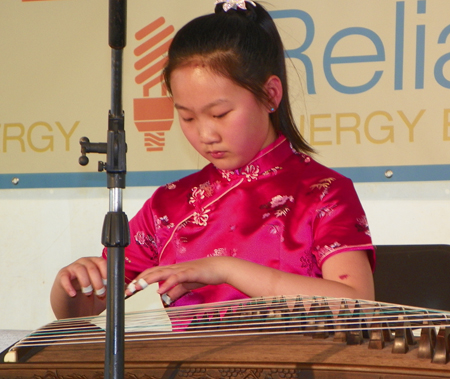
{"x": 369, "y": 83}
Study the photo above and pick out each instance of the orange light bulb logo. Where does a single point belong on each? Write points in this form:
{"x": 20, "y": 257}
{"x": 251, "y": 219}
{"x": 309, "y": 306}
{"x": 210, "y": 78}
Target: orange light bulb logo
{"x": 153, "y": 115}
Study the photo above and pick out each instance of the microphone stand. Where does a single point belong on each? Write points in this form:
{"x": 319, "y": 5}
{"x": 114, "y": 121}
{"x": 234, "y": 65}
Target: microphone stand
{"x": 115, "y": 233}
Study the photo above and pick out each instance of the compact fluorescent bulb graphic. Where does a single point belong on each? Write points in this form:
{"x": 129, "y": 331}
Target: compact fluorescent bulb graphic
{"x": 153, "y": 115}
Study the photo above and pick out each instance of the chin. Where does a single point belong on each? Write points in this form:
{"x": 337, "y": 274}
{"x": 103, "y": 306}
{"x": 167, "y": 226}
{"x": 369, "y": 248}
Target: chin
{"x": 224, "y": 167}
{"x": 227, "y": 166}
{"x": 228, "y": 163}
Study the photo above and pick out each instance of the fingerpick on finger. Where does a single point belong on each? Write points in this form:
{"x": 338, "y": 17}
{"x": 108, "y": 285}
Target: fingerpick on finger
{"x": 87, "y": 290}
{"x": 142, "y": 283}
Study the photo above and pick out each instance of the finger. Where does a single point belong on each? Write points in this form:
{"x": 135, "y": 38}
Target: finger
{"x": 103, "y": 267}
{"x": 166, "y": 300}
{"x": 66, "y": 284}
{"x": 171, "y": 280}
{"x": 136, "y": 285}
{"x": 85, "y": 275}
{"x": 178, "y": 291}
{"x": 75, "y": 281}
{"x": 101, "y": 292}
{"x": 79, "y": 277}
{"x": 146, "y": 278}
{"x": 98, "y": 283}
{"x": 173, "y": 295}
{"x": 87, "y": 290}
{"x": 97, "y": 270}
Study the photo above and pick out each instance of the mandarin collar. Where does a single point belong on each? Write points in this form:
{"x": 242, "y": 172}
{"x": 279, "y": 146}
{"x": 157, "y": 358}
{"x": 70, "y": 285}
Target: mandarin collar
{"x": 267, "y": 161}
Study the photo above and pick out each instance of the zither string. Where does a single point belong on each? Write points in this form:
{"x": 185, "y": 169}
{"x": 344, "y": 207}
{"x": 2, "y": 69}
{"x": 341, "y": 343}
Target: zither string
{"x": 259, "y": 316}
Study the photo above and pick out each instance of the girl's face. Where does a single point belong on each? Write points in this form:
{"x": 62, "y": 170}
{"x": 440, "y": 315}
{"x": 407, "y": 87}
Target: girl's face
{"x": 223, "y": 121}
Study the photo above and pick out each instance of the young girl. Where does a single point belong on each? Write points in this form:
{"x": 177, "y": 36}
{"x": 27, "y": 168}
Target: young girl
{"x": 263, "y": 218}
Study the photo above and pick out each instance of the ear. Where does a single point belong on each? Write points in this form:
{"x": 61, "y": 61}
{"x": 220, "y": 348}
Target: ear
{"x": 274, "y": 90}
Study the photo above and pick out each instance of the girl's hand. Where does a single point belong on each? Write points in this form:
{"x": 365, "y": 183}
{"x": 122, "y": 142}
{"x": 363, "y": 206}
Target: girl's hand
{"x": 178, "y": 279}
{"x": 346, "y": 274}
{"x": 85, "y": 275}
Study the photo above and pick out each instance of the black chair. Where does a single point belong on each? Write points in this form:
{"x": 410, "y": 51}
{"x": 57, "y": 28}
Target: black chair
{"x": 415, "y": 275}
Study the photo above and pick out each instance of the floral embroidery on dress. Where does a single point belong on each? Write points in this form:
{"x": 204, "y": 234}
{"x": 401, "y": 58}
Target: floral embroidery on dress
{"x": 171, "y": 186}
{"x": 279, "y": 200}
{"x": 362, "y": 225}
{"x": 201, "y": 219}
{"x": 146, "y": 240}
{"x": 179, "y": 244}
{"x": 306, "y": 158}
{"x": 273, "y": 229}
{"x": 282, "y": 212}
{"x": 182, "y": 225}
{"x": 227, "y": 174}
{"x": 278, "y": 205}
{"x": 220, "y": 252}
{"x": 293, "y": 149}
{"x": 165, "y": 222}
{"x": 209, "y": 188}
{"x": 162, "y": 221}
{"x": 323, "y": 186}
{"x": 306, "y": 262}
{"x": 251, "y": 172}
{"x": 322, "y": 252}
{"x": 277, "y": 230}
{"x": 197, "y": 194}
{"x": 325, "y": 211}
{"x": 200, "y": 192}
{"x": 272, "y": 171}
{"x": 223, "y": 252}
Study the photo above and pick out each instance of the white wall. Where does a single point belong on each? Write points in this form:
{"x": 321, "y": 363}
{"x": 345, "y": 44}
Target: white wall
{"x": 44, "y": 229}
{"x": 408, "y": 212}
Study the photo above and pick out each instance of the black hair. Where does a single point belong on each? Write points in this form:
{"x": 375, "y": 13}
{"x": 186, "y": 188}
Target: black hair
{"x": 245, "y": 47}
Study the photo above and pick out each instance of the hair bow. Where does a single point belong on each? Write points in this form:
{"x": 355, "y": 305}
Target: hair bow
{"x": 234, "y": 4}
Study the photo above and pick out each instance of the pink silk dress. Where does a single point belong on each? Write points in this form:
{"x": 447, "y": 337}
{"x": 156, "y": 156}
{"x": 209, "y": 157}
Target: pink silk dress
{"x": 283, "y": 210}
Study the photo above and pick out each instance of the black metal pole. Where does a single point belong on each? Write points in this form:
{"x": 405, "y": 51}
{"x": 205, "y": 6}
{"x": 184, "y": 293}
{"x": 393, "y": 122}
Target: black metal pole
{"x": 115, "y": 229}
{"x": 115, "y": 234}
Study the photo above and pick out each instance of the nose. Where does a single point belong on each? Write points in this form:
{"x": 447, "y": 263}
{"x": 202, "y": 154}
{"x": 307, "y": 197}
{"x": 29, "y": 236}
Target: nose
{"x": 208, "y": 133}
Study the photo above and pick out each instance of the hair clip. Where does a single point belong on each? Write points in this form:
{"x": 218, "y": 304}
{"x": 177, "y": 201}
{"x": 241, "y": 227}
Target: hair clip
{"x": 234, "y": 4}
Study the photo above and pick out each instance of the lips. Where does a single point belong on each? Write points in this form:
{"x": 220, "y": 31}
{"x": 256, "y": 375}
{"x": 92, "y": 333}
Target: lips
{"x": 217, "y": 154}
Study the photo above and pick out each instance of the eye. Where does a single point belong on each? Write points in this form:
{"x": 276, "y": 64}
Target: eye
{"x": 185, "y": 117}
{"x": 221, "y": 115}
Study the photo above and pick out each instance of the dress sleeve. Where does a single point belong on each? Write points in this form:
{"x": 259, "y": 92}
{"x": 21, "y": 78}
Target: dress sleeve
{"x": 340, "y": 223}
{"x": 142, "y": 252}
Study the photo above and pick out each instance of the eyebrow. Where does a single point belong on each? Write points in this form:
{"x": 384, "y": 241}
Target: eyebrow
{"x": 205, "y": 108}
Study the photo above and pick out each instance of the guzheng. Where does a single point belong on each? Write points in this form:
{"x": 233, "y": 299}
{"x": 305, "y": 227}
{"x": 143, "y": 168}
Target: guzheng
{"x": 260, "y": 338}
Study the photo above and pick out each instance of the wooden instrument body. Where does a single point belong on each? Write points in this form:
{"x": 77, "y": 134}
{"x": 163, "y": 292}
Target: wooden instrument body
{"x": 235, "y": 357}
